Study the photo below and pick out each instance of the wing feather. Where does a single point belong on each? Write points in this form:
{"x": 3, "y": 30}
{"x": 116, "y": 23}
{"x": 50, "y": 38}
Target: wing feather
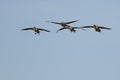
{"x": 87, "y": 27}
{"x": 27, "y": 29}
{"x": 104, "y": 28}
{"x": 71, "y": 22}
{"x": 43, "y": 29}
{"x": 53, "y": 22}
{"x": 78, "y": 28}
{"x": 60, "y": 29}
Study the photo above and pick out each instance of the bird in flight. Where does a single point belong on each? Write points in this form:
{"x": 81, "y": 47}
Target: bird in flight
{"x": 36, "y": 30}
{"x": 63, "y": 24}
{"x": 97, "y": 28}
{"x": 72, "y": 29}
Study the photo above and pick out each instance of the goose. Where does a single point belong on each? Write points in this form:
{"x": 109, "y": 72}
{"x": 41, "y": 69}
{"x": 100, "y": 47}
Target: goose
{"x": 36, "y": 30}
{"x": 97, "y": 28}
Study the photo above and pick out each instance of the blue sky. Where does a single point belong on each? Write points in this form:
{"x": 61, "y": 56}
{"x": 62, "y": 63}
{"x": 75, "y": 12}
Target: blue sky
{"x": 85, "y": 55}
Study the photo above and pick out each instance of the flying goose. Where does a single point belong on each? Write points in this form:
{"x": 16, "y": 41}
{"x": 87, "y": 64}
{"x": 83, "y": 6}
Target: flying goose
{"x": 36, "y": 30}
{"x": 97, "y": 28}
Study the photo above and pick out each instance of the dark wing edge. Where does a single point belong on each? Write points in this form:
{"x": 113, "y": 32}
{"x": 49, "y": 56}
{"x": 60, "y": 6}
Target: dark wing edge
{"x": 44, "y": 30}
{"x": 60, "y": 29}
{"x": 87, "y": 27}
{"x": 27, "y": 29}
{"x": 71, "y": 21}
{"x": 105, "y": 28}
{"x": 53, "y": 22}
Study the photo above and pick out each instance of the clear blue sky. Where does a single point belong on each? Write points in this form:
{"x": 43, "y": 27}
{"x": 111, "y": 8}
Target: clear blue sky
{"x": 85, "y": 55}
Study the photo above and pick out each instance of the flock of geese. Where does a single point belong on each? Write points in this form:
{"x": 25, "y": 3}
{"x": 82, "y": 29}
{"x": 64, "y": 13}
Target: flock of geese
{"x": 65, "y": 25}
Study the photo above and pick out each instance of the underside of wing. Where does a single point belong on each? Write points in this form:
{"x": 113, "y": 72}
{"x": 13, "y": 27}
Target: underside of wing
{"x": 53, "y": 22}
{"x": 27, "y": 29}
{"x": 43, "y": 30}
{"x": 87, "y": 27}
{"x": 105, "y": 28}
{"x": 78, "y": 28}
{"x": 71, "y": 22}
{"x": 60, "y": 29}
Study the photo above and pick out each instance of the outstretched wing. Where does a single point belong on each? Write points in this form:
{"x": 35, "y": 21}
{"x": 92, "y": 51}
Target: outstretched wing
{"x": 87, "y": 27}
{"x": 78, "y": 28}
{"x": 71, "y": 22}
{"x": 104, "y": 28}
{"x": 54, "y": 22}
{"x": 63, "y": 22}
{"x": 43, "y": 30}
{"x": 27, "y": 29}
{"x": 60, "y": 29}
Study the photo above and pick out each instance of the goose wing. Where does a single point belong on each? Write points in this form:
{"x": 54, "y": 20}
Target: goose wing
{"x": 104, "y": 28}
{"x": 54, "y": 22}
{"x": 43, "y": 29}
{"x": 78, "y": 28}
{"x": 87, "y": 27}
{"x": 27, "y": 29}
{"x": 60, "y": 29}
{"x": 71, "y": 22}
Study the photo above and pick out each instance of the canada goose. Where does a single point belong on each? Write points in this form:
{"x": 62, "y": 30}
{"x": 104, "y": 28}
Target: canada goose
{"x": 64, "y": 24}
{"x": 36, "y": 30}
{"x": 72, "y": 29}
{"x": 97, "y": 28}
